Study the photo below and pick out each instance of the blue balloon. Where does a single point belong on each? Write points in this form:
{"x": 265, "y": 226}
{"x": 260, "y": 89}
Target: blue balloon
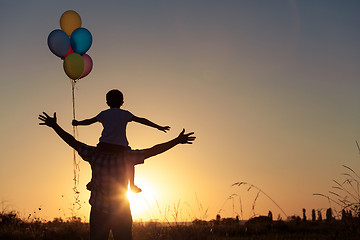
{"x": 59, "y": 43}
{"x": 81, "y": 40}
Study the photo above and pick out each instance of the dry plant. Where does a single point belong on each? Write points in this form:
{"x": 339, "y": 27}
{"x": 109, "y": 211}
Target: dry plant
{"x": 250, "y": 187}
{"x": 232, "y": 197}
{"x": 346, "y": 193}
{"x": 173, "y": 213}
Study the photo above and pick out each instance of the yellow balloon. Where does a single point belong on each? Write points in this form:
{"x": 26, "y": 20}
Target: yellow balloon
{"x": 69, "y": 21}
{"x": 74, "y": 66}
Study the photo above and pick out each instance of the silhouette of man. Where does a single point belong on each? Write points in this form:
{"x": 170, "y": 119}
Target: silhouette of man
{"x": 110, "y": 209}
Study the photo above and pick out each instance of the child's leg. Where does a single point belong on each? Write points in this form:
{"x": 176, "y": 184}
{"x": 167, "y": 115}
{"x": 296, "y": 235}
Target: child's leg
{"x": 131, "y": 175}
{"x": 131, "y": 172}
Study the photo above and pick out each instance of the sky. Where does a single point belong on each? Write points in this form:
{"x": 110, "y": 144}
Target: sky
{"x": 270, "y": 88}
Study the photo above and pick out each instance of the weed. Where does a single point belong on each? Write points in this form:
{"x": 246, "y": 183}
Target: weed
{"x": 346, "y": 193}
{"x": 259, "y": 191}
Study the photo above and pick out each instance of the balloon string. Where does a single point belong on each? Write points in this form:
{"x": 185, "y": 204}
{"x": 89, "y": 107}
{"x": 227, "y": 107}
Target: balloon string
{"x": 76, "y": 168}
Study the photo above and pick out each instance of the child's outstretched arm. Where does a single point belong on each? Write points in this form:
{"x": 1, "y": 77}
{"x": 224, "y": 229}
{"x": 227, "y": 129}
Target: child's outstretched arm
{"x": 84, "y": 122}
{"x": 150, "y": 124}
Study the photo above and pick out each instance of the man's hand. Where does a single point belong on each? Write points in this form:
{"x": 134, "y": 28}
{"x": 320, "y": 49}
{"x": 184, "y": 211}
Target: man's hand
{"x": 185, "y": 138}
{"x": 164, "y": 129}
{"x": 51, "y": 122}
{"x": 75, "y": 122}
{"x": 47, "y": 120}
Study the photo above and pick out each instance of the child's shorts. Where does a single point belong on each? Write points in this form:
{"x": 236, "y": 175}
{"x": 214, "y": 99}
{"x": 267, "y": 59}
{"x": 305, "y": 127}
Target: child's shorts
{"x": 108, "y": 147}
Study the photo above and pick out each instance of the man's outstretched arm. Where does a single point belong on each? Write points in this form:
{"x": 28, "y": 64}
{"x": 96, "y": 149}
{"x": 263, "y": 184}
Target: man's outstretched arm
{"x": 51, "y": 122}
{"x": 163, "y": 147}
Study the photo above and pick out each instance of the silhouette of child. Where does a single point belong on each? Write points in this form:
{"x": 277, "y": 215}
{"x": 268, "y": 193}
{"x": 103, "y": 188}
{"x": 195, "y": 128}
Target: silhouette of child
{"x": 113, "y": 136}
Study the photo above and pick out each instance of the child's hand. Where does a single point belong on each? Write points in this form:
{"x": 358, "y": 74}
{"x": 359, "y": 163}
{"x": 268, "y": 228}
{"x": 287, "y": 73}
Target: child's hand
{"x": 164, "y": 129}
{"x": 75, "y": 122}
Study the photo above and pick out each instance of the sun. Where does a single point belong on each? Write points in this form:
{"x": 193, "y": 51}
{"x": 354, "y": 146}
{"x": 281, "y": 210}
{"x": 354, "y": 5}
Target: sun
{"x": 141, "y": 203}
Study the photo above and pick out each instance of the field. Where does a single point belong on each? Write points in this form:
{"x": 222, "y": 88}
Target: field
{"x": 336, "y": 224}
{"x": 12, "y": 227}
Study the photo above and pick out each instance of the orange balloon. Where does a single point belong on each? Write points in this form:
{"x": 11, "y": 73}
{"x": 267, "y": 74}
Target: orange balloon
{"x": 69, "y": 21}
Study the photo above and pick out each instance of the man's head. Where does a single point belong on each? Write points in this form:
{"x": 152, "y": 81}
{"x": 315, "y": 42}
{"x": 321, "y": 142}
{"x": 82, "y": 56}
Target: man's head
{"x": 114, "y": 98}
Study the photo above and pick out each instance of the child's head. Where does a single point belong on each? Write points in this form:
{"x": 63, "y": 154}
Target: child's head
{"x": 114, "y": 98}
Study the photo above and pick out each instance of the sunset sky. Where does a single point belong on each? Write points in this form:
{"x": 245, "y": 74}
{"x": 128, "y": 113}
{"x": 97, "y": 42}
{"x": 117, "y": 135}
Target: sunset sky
{"x": 270, "y": 88}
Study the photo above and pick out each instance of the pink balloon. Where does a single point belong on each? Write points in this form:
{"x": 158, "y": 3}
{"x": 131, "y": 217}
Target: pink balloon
{"x": 88, "y": 65}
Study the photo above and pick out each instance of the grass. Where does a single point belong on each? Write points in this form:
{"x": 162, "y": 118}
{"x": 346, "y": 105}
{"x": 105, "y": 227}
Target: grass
{"x": 345, "y": 195}
{"x": 259, "y": 191}
{"x": 12, "y": 227}
{"x": 258, "y": 227}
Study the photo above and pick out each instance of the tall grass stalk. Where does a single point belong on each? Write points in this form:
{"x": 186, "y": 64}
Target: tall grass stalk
{"x": 260, "y": 191}
{"x": 345, "y": 194}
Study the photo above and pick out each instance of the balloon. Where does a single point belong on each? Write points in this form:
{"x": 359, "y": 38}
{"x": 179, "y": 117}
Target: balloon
{"x": 58, "y": 42}
{"x": 69, "y": 21}
{"x": 70, "y": 51}
{"x": 81, "y": 40}
{"x": 88, "y": 65}
{"x": 74, "y": 66}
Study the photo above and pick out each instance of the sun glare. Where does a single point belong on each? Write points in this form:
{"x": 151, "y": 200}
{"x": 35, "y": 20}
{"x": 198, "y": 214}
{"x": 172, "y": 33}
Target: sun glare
{"x": 140, "y": 203}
